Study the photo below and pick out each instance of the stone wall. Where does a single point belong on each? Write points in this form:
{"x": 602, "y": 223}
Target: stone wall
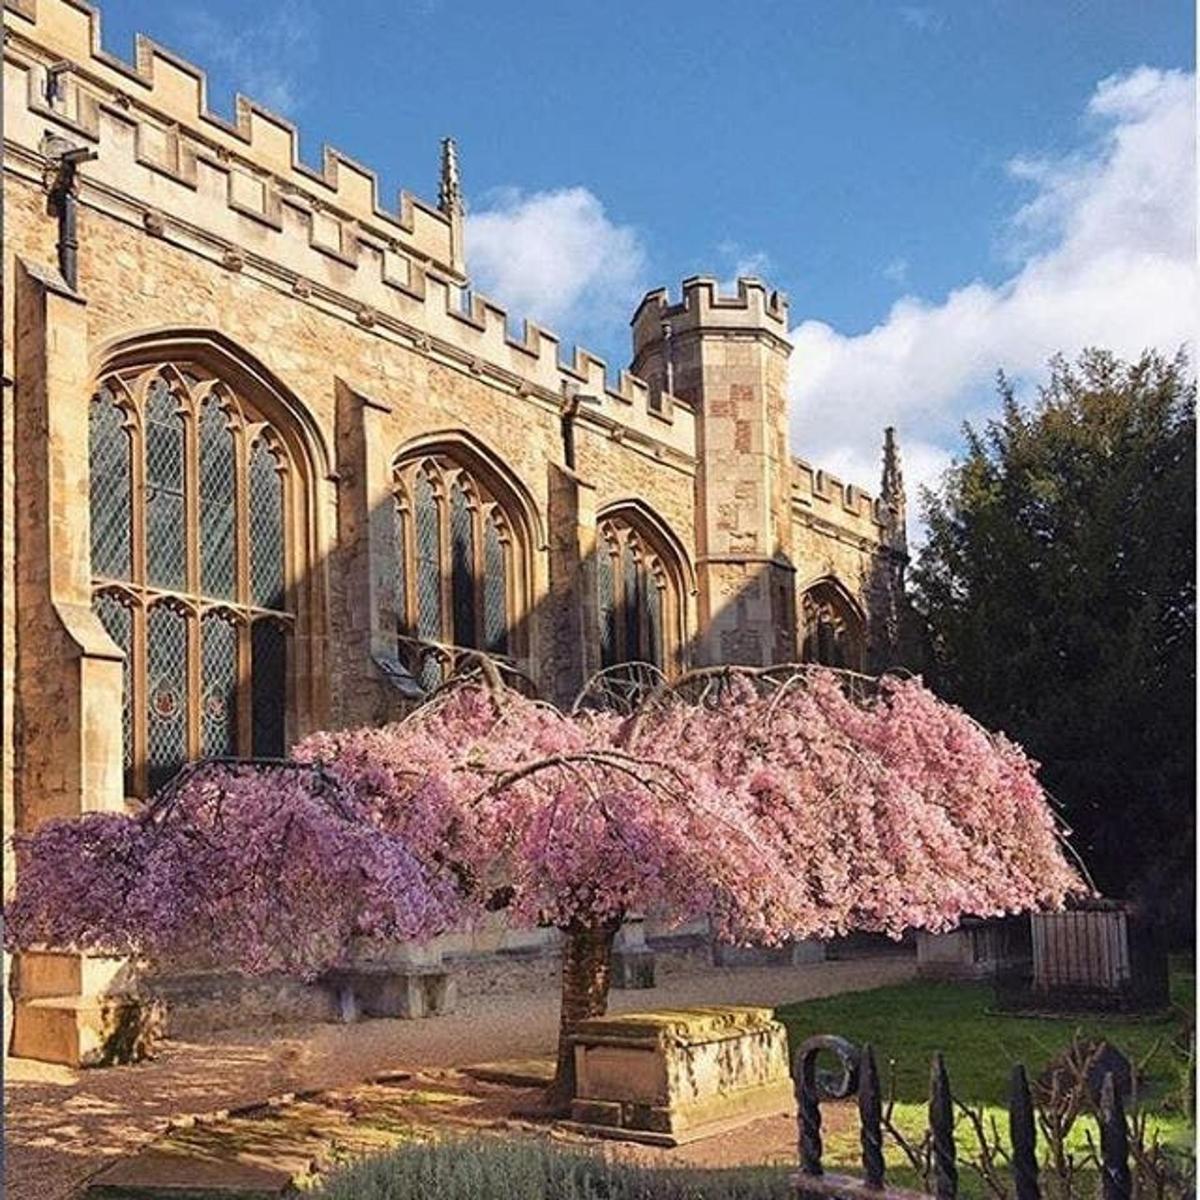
{"x": 206, "y": 238}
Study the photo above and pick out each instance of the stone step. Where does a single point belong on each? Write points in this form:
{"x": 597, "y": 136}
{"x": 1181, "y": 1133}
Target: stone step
{"x": 161, "y": 1175}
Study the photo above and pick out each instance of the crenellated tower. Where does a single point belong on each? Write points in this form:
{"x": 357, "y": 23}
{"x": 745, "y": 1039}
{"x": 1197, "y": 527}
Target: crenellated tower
{"x": 726, "y": 358}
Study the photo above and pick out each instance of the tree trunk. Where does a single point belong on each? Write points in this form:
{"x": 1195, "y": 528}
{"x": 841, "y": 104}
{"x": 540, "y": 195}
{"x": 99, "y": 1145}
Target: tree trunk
{"x": 586, "y": 965}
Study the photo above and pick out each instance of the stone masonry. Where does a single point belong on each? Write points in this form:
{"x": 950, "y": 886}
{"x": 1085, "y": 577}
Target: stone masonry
{"x": 354, "y": 329}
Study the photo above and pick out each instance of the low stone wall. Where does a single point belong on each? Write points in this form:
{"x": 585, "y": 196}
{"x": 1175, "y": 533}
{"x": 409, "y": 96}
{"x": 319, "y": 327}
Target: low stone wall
{"x": 975, "y": 950}
{"x": 201, "y": 999}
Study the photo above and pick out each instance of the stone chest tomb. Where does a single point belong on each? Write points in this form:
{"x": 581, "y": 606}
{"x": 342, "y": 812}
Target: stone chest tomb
{"x": 674, "y": 1076}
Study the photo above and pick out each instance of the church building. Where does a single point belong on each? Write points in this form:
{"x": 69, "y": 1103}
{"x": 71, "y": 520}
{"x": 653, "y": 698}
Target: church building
{"x": 271, "y": 466}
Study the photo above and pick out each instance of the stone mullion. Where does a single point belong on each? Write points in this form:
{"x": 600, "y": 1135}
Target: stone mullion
{"x": 441, "y": 500}
{"x": 641, "y": 625}
{"x": 191, "y": 538}
{"x": 514, "y": 631}
{"x": 139, "y": 708}
{"x": 406, "y": 617}
{"x": 291, "y": 588}
{"x": 478, "y": 566}
{"x": 620, "y": 653}
{"x": 241, "y": 543}
{"x": 138, "y": 701}
{"x": 408, "y": 547}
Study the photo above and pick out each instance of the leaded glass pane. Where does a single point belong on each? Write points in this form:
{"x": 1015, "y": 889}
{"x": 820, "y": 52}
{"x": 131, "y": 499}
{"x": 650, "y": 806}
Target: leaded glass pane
{"x": 652, "y": 595}
{"x": 217, "y": 502}
{"x": 429, "y": 573}
{"x": 117, "y": 619}
{"x": 268, "y": 682}
{"x": 632, "y": 613}
{"x": 166, "y": 531}
{"x": 111, "y": 487}
{"x": 166, "y": 675}
{"x": 218, "y": 686}
{"x": 462, "y": 567}
{"x": 495, "y": 591}
{"x": 607, "y": 606}
{"x": 400, "y": 569}
{"x": 265, "y": 521}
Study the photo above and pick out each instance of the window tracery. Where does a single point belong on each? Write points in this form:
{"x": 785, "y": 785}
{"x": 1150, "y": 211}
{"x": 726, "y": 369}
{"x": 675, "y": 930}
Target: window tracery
{"x": 188, "y": 499}
{"x": 833, "y": 628}
{"x": 638, "y": 600}
{"x": 457, "y": 574}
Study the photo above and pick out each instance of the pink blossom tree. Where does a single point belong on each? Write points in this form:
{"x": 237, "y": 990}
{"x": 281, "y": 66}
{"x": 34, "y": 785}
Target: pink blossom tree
{"x": 776, "y": 806}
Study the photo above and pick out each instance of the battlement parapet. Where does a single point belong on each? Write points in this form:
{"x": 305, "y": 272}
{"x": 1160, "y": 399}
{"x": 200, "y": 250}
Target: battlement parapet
{"x": 818, "y": 493}
{"x": 237, "y": 196}
{"x": 754, "y": 309}
{"x": 166, "y": 97}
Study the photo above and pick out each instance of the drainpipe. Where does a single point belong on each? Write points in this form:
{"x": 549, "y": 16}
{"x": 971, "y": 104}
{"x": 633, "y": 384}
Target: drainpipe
{"x": 63, "y": 159}
{"x": 570, "y": 406}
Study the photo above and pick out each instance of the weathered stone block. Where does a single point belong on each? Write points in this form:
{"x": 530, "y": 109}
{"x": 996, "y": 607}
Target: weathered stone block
{"x": 83, "y": 1031}
{"x": 392, "y": 992}
{"x": 793, "y": 954}
{"x": 674, "y": 1076}
{"x": 975, "y": 950}
{"x": 632, "y": 960}
{"x": 632, "y": 968}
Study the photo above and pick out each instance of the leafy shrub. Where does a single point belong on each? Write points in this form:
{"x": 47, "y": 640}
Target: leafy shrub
{"x": 492, "y": 1169}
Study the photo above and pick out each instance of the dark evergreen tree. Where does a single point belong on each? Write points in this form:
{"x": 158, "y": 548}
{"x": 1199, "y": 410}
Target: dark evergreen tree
{"x": 1058, "y": 584}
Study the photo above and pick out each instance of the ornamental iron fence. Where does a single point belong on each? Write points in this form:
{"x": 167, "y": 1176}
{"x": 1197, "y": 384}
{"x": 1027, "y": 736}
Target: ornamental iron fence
{"x": 936, "y": 1158}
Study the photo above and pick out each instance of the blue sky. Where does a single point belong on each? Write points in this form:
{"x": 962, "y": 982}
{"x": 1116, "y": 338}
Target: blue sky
{"x": 942, "y": 189}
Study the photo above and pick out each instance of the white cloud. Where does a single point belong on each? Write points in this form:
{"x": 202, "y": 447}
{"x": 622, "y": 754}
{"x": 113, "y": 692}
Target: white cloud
{"x": 1103, "y": 255}
{"x": 896, "y": 271}
{"x": 266, "y": 57}
{"x": 743, "y": 262}
{"x": 557, "y": 258}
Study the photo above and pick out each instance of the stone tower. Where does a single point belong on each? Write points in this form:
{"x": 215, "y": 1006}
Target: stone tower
{"x": 726, "y": 358}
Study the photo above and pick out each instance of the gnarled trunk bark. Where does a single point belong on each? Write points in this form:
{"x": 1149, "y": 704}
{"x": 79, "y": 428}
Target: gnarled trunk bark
{"x": 586, "y": 966}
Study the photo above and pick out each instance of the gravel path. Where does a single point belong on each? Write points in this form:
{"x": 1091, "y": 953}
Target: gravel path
{"x": 61, "y": 1126}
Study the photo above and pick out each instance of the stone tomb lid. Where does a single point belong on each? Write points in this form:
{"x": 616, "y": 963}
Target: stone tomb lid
{"x": 708, "y": 1023}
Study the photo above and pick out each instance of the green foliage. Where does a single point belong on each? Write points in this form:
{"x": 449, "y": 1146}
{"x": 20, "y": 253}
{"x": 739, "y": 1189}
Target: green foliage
{"x": 908, "y": 1022}
{"x": 488, "y": 1168}
{"x": 1058, "y": 585}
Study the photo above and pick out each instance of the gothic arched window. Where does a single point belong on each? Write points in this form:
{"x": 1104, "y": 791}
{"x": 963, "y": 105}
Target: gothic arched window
{"x": 189, "y": 537}
{"x": 833, "y": 627}
{"x": 458, "y": 574}
{"x": 638, "y": 597}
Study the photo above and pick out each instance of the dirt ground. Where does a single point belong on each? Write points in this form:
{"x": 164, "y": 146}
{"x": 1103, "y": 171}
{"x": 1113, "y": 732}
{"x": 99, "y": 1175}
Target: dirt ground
{"x": 63, "y": 1126}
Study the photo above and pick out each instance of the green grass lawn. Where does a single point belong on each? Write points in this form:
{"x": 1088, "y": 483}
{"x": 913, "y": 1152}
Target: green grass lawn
{"x": 908, "y": 1023}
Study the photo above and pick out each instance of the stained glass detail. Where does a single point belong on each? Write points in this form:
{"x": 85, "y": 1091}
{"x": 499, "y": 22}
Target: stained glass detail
{"x": 166, "y": 555}
{"x": 218, "y": 686}
{"x": 607, "y": 605}
{"x": 462, "y": 567}
{"x": 630, "y": 577}
{"x": 400, "y": 569}
{"x": 265, "y": 522}
{"x": 495, "y": 591}
{"x": 111, "y": 488}
{"x": 167, "y": 691}
{"x": 268, "y": 681}
{"x": 117, "y": 619}
{"x": 218, "y": 502}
